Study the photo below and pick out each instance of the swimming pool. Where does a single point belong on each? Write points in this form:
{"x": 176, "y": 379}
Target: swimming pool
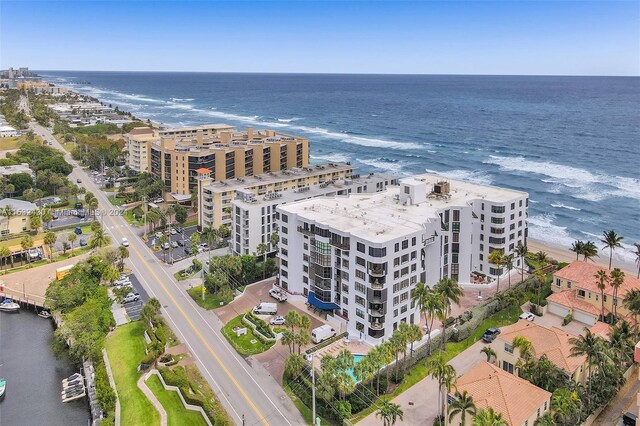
{"x": 356, "y": 360}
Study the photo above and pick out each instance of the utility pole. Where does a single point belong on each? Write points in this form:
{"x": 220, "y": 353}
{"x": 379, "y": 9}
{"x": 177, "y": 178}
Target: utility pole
{"x": 313, "y": 392}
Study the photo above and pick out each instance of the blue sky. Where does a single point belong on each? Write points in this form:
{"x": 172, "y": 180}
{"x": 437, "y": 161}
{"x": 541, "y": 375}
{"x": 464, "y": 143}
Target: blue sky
{"x": 428, "y": 37}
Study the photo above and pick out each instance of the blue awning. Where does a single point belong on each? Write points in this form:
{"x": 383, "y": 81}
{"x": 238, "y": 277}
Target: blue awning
{"x": 326, "y": 306}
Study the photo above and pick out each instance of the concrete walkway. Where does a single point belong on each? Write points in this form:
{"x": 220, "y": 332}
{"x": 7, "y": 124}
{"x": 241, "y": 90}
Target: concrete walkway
{"x": 152, "y": 398}
{"x": 112, "y": 383}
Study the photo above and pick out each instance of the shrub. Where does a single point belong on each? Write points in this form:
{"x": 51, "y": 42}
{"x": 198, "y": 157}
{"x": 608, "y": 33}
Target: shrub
{"x": 260, "y": 325}
{"x": 449, "y": 321}
{"x": 63, "y": 203}
{"x": 104, "y": 392}
{"x": 325, "y": 343}
{"x": 535, "y": 310}
{"x": 567, "y": 319}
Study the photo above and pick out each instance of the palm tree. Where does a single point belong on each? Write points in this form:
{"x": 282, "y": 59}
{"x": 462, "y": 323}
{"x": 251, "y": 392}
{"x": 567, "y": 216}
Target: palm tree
{"x": 50, "y": 239}
{"x": 508, "y": 263}
{"x": 566, "y": 405}
{"x": 72, "y": 238}
{"x": 445, "y": 374}
{"x": 26, "y": 243}
{"x": 8, "y": 212}
{"x": 489, "y": 352}
{"x": 521, "y": 252}
{"x": 488, "y": 417}
{"x": 429, "y": 304}
{"x": 611, "y": 240}
{"x": 293, "y": 365}
{"x": 288, "y": 338}
{"x": 589, "y": 251}
{"x": 525, "y": 349}
{"x": 4, "y": 253}
{"x": 47, "y": 216}
{"x": 389, "y": 412}
{"x": 261, "y": 250}
{"x": 588, "y": 345}
{"x": 163, "y": 240}
{"x": 601, "y": 279}
{"x": 631, "y": 302}
{"x": 462, "y": 404}
{"x": 397, "y": 343}
{"x": 451, "y": 293}
{"x": 414, "y": 334}
{"x": 577, "y": 247}
{"x": 99, "y": 239}
{"x": 376, "y": 357}
{"x": 110, "y": 274}
{"x": 123, "y": 253}
{"x": 637, "y": 254}
{"x": 616, "y": 280}
{"x": 364, "y": 370}
{"x": 496, "y": 258}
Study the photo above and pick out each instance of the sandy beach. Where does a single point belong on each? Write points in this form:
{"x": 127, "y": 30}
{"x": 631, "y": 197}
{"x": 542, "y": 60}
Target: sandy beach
{"x": 563, "y": 254}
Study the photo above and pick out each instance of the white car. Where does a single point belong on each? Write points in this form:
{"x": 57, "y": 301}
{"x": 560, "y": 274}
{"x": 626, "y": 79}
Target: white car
{"x": 158, "y": 234}
{"x": 278, "y": 295}
{"x": 125, "y": 242}
{"x": 158, "y": 200}
{"x": 279, "y": 320}
{"x": 527, "y": 316}
{"x": 173, "y": 231}
{"x": 131, "y": 297}
{"x": 165, "y": 246}
{"x": 174, "y": 244}
{"x": 34, "y": 253}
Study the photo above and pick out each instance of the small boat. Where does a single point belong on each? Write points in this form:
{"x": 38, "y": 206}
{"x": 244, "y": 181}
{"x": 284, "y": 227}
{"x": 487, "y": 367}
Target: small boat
{"x": 44, "y": 314}
{"x": 72, "y": 390}
{"x": 73, "y": 383}
{"x": 9, "y": 305}
{"x": 3, "y": 387}
{"x": 73, "y": 396}
{"x": 73, "y": 377}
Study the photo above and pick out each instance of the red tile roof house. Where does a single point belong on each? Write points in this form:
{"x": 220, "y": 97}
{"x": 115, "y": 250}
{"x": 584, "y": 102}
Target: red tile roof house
{"x": 575, "y": 289}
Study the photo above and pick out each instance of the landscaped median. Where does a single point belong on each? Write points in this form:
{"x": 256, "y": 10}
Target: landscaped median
{"x": 248, "y": 334}
{"x": 177, "y": 413}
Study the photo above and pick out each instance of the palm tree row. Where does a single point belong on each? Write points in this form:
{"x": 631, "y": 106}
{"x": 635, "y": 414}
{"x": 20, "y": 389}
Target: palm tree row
{"x": 586, "y": 249}
{"x": 297, "y": 332}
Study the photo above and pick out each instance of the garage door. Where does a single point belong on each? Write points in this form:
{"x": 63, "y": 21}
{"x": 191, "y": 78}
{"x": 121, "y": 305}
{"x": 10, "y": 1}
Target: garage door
{"x": 584, "y": 318}
{"x": 558, "y": 309}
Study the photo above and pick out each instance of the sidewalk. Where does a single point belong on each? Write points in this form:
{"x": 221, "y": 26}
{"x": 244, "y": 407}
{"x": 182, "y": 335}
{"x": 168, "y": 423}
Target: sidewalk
{"x": 625, "y": 400}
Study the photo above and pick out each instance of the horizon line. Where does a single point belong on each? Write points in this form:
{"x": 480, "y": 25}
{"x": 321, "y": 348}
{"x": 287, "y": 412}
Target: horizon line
{"x": 342, "y": 73}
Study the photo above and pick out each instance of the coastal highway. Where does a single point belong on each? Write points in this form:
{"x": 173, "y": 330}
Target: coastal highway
{"x": 248, "y": 393}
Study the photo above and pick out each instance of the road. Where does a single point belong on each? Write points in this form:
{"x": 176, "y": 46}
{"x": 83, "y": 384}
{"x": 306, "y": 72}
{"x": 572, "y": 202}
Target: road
{"x": 247, "y": 391}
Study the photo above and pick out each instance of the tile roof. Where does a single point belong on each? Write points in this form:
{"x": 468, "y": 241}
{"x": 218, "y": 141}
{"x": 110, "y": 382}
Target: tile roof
{"x": 141, "y": 131}
{"x": 582, "y": 274}
{"x": 569, "y": 299}
{"x": 515, "y": 398}
{"x": 601, "y": 329}
{"x": 552, "y": 342}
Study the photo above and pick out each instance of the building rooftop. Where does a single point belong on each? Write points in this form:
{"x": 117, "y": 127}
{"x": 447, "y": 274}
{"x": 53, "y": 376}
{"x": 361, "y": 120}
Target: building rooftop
{"x": 19, "y": 206}
{"x": 17, "y": 168}
{"x": 583, "y": 275}
{"x": 381, "y": 217}
{"x": 551, "y": 342}
{"x": 515, "y": 398}
{"x": 141, "y": 131}
{"x": 218, "y": 126}
{"x": 313, "y": 190}
{"x": 275, "y": 177}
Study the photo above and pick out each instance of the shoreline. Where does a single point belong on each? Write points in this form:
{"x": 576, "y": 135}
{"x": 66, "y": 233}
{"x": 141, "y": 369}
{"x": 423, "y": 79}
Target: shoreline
{"x": 563, "y": 254}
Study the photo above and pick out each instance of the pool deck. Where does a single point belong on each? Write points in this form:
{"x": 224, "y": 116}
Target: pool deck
{"x": 355, "y": 347}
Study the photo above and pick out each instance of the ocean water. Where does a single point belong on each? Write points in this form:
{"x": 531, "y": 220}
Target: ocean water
{"x": 573, "y": 143}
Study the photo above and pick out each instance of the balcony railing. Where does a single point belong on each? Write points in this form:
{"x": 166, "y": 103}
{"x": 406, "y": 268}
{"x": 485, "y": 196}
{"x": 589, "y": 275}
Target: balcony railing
{"x": 376, "y": 326}
{"x": 377, "y": 272}
{"x": 377, "y": 285}
{"x": 305, "y": 231}
{"x": 376, "y": 313}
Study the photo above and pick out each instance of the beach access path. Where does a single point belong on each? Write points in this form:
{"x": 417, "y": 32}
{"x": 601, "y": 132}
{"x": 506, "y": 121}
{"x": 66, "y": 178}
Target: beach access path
{"x": 250, "y": 395}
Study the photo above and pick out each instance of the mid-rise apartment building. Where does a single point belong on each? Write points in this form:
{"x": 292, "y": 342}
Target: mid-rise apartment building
{"x": 226, "y": 153}
{"x": 359, "y": 257}
{"x": 215, "y": 197}
{"x": 254, "y": 216}
{"x": 137, "y": 144}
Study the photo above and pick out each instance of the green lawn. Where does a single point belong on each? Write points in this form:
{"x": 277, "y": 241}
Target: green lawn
{"x": 210, "y": 301}
{"x": 117, "y": 201}
{"x": 192, "y": 222}
{"x": 130, "y": 218}
{"x": 11, "y": 143}
{"x": 180, "y": 277}
{"x": 247, "y": 344}
{"x": 126, "y": 349}
{"x": 419, "y": 372}
{"x": 177, "y": 414}
{"x": 306, "y": 412}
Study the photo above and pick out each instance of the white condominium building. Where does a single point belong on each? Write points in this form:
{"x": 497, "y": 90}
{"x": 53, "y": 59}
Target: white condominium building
{"x": 254, "y": 216}
{"x": 358, "y": 257}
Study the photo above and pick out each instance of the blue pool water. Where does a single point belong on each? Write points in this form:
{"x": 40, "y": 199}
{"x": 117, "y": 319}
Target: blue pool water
{"x": 356, "y": 360}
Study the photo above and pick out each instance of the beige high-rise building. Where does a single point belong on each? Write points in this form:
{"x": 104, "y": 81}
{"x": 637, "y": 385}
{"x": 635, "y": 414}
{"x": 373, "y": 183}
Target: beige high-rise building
{"x": 225, "y": 152}
{"x": 214, "y": 198}
{"x": 137, "y": 143}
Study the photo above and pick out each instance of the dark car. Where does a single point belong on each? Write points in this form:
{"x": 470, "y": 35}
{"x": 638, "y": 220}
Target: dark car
{"x": 490, "y": 335}
{"x": 181, "y": 243}
{"x": 629, "y": 419}
{"x": 55, "y": 215}
{"x": 79, "y": 180}
{"x": 78, "y": 230}
{"x": 83, "y": 242}
{"x": 188, "y": 251}
{"x": 78, "y": 205}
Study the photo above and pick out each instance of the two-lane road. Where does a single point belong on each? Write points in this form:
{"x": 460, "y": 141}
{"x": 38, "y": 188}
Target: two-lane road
{"x": 246, "y": 390}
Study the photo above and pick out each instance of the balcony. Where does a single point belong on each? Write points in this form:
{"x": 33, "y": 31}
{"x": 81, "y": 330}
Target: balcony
{"x": 376, "y": 326}
{"x": 377, "y": 285}
{"x": 343, "y": 245}
{"x": 429, "y": 241}
{"x": 376, "y": 313}
{"x": 305, "y": 231}
{"x": 377, "y": 271}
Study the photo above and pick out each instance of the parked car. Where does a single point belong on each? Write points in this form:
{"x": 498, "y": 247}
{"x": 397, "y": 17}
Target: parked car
{"x": 77, "y": 231}
{"x": 78, "y": 205}
{"x": 174, "y": 244}
{"x": 34, "y": 253}
{"x": 490, "y": 335}
{"x": 265, "y": 308}
{"x": 277, "y": 294}
{"x": 77, "y": 180}
{"x": 158, "y": 234}
{"x": 279, "y": 320}
{"x": 188, "y": 251}
{"x": 181, "y": 243}
{"x": 165, "y": 246}
{"x": 131, "y": 297}
{"x": 158, "y": 200}
{"x": 203, "y": 246}
{"x": 527, "y": 316}
{"x": 173, "y": 231}
{"x": 83, "y": 242}
{"x": 125, "y": 242}
{"x": 55, "y": 215}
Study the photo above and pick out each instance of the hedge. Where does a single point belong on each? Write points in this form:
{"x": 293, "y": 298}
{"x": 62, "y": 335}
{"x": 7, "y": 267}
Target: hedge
{"x": 325, "y": 343}
{"x": 260, "y": 327}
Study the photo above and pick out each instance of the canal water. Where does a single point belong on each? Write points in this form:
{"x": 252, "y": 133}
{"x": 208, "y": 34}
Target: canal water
{"x": 34, "y": 375}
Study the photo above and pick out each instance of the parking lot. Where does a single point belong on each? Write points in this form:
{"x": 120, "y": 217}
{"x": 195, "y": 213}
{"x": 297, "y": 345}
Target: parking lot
{"x": 133, "y": 308}
{"x": 178, "y": 242}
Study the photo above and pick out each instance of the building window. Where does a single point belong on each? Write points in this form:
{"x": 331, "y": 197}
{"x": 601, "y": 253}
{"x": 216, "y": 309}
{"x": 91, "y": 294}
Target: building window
{"x": 360, "y": 261}
{"x": 405, "y": 244}
{"x": 360, "y": 247}
{"x": 507, "y": 366}
{"x": 557, "y": 282}
{"x": 508, "y": 348}
{"x": 359, "y": 300}
{"x": 359, "y": 313}
{"x": 361, "y": 288}
{"x": 413, "y": 241}
{"x": 397, "y": 247}
{"x": 377, "y": 251}
{"x": 581, "y": 294}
